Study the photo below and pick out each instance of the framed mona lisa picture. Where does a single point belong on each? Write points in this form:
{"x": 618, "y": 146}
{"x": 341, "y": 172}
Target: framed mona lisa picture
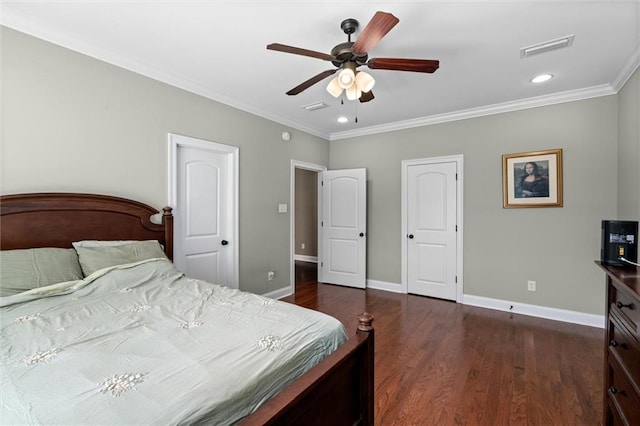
{"x": 532, "y": 179}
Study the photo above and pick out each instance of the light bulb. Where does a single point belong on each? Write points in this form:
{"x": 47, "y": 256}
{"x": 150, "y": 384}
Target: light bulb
{"x": 346, "y": 78}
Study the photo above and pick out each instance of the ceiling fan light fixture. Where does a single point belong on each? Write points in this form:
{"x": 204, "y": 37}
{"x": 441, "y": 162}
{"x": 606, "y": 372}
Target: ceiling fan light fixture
{"x": 334, "y": 87}
{"x": 346, "y": 78}
{"x": 352, "y": 92}
{"x": 364, "y": 81}
{"x": 347, "y": 57}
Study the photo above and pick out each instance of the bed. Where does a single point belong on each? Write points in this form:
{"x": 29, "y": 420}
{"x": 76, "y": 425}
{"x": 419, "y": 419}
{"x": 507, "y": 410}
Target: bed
{"x": 110, "y": 317}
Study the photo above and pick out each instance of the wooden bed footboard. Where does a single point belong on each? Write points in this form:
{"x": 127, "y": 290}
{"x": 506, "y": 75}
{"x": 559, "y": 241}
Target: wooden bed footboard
{"x": 338, "y": 391}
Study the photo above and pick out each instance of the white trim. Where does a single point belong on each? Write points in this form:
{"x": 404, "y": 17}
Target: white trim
{"x": 536, "y": 311}
{"x": 627, "y": 71}
{"x": 546, "y": 312}
{"x": 233, "y": 156}
{"x": 295, "y": 164}
{"x": 556, "y": 98}
{"x": 305, "y": 258}
{"x": 459, "y": 160}
{"x": 278, "y": 294}
{"x": 22, "y": 23}
{"x": 385, "y": 286}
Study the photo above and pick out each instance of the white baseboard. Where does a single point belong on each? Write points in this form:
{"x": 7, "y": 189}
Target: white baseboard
{"x": 383, "y": 285}
{"x": 304, "y": 258}
{"x": 279, "y": 293}
{"x": 556, "y": 314}
{"x": 535, "y": 311}
{"x": 515, "y": 307}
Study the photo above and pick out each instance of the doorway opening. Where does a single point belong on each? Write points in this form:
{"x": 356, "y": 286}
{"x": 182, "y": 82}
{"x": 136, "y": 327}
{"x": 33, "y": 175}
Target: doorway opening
{"x": 341, "y": 225}
{"x": 305, "y": 186}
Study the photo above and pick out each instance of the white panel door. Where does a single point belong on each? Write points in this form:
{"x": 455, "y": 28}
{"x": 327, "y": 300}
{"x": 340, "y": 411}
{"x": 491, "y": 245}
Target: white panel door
{"x": 431, "y": 230}
{"x": 344, "y": 227}
{"x": 203, "y": 226}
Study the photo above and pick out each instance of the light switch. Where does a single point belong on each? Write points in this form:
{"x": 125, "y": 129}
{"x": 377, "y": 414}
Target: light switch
{"x": 282, "y": 208}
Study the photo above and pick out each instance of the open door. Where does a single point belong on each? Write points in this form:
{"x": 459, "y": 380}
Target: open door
{"x": 343, "y": 254}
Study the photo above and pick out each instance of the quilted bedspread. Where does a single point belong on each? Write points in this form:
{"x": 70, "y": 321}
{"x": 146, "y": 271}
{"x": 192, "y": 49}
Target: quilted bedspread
{"x": 144, "y": 344}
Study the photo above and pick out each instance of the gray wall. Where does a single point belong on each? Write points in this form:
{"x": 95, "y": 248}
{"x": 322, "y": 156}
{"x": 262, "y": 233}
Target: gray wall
{"x": 503, "y": 248}
{"x": 72, "y": 123}
{"x": 629, "y": 149}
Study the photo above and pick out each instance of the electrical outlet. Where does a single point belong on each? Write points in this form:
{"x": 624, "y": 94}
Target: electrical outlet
{"x": 531, "y": 285}
{"x": 302, "y": 246}
{"x": 271, "y": 275}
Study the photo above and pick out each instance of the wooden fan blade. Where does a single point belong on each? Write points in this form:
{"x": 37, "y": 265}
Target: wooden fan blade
{"x": 398, "y": 64}
{"x": 378, "y": 27}
{"x": 367, "y": 96}
{"x": 313, "y": 80}
{"x": 299, "y": 51}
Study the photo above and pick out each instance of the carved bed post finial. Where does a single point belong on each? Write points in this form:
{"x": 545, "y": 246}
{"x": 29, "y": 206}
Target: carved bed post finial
{"x": 365, "y": 320}
{"x": 167, "y": 219}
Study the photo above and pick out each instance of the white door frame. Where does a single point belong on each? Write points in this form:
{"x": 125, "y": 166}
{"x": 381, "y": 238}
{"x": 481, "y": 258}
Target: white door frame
{"x": 458, "y": 159}
{"x": 292, "y": 218}
{"x": 233, "y": 154}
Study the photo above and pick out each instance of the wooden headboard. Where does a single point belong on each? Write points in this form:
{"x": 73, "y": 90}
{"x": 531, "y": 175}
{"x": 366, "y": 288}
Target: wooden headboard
{"x": 58, "y": 219}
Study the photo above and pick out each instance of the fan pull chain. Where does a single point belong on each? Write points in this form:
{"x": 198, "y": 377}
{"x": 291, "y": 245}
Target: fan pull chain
{"x": 357, "y": 102}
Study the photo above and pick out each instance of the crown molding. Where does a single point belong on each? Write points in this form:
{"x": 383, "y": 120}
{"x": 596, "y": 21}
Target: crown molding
{"x": 632, "y": 64}
{"x": 23, "y": 24}
{"x": 69, "y": 41}
{"x": 556, "y": 98}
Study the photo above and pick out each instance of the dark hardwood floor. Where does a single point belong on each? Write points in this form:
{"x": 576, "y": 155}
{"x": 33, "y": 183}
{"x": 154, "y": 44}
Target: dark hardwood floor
{"x": 442, "y": 363}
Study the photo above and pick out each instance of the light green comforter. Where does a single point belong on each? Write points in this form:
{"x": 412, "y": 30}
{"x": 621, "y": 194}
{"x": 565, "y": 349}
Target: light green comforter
{"x": 143, "y": 344}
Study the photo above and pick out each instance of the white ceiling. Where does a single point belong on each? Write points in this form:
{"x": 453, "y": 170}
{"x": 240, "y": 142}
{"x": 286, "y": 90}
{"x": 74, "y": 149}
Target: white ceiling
{"x": 218, "y": 50}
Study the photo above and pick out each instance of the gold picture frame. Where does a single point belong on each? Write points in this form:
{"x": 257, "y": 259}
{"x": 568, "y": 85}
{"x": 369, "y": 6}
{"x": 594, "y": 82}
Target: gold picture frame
{"x": 532, "y": 179}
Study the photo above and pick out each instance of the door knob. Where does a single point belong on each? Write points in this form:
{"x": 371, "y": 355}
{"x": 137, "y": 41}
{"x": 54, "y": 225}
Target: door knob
{"x": 410, "y": 236}
{"x": 224, "y": 242}
{"x": 362, "y": 234}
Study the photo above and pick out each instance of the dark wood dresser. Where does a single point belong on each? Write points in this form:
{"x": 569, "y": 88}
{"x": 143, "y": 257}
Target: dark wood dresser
{"x": 622, "y": 346}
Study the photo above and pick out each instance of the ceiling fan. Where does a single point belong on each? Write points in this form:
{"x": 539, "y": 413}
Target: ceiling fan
{"x": 349, "y": 56}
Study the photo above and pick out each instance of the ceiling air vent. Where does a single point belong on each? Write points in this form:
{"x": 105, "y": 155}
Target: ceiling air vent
{"x": 315, "y": 106}
{"x": 547, "y": 46}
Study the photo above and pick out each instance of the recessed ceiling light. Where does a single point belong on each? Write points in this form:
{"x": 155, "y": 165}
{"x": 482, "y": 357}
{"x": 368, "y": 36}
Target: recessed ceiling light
{"x": 541, "y": 78}
{"x": 343, "y": 119}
